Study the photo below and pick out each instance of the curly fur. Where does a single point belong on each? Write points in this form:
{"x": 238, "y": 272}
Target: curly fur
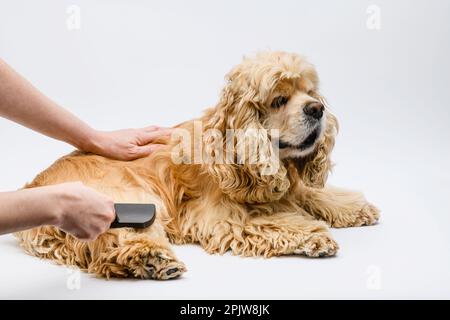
{"x": 222, "y": 207}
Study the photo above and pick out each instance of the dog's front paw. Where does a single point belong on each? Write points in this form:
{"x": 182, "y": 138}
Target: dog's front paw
{"x": 318, "y": 245}
{"x": 368, "y": 215}
{"x": 365, "y": 215}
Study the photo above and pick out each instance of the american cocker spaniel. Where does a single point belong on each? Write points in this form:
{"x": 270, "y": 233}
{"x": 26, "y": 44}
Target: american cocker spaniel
{"x": 276, "y": 204}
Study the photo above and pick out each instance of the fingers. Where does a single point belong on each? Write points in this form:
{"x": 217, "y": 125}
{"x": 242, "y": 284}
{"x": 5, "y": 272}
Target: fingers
{"x": 110, "y": 213}
{"x": 149, "y": 134}
{"x": 93, "y": 231}
{"x": 146, "y": 150}
{"x": 87, "y": 212}
{"x": 156, "y": 128}
{"x": 151, "y": 128}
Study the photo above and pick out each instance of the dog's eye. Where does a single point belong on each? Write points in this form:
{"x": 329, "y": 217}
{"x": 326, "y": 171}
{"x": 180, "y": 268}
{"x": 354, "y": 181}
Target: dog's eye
{"x": 279, "y": 102}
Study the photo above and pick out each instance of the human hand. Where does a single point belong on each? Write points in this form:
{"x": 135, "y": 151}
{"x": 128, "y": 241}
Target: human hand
{"x": 82, "y": 211}
{"x": 128, "y": 144}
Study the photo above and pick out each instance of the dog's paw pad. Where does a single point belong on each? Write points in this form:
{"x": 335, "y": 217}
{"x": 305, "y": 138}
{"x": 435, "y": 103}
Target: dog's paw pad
{"x": 165, "y": 266}
{"x": 170, "y": 271}
{"x": 318, "y": 245}
{"x": 173, "y": 272}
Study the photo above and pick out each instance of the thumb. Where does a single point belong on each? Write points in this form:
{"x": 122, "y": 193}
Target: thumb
{"x": 147, "y": 136}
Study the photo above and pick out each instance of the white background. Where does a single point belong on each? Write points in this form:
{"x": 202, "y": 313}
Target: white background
{"x": 135, "y": 63}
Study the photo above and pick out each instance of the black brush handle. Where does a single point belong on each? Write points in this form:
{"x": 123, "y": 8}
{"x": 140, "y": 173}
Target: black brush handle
{"x": 134, "y": 215}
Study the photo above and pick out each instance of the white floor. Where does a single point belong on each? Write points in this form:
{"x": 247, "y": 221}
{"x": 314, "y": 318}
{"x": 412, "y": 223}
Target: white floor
{"x": 162, "y": 63}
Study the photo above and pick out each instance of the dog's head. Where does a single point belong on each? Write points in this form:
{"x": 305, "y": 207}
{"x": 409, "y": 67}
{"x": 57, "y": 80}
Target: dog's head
{"x": 279, "y": 90}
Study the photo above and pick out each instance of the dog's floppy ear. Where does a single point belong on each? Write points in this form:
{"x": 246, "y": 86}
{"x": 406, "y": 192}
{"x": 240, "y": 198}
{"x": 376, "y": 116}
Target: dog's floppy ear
{"x": 259, "y": 181}
{"x": 314, "y": 168}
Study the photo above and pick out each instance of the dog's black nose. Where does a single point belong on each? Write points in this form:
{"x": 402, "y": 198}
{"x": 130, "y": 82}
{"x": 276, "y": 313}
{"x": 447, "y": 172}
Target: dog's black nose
{"x": 314, "y": 109}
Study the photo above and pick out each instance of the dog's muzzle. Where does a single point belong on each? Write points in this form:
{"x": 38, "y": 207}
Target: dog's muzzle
{"x": 305, "y": 144}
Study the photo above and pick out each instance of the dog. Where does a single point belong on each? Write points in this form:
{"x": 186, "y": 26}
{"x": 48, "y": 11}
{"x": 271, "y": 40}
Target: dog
{"x": 222, "y": 206}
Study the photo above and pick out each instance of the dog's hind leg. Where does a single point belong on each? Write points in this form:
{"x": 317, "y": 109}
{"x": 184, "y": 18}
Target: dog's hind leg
{"x": 267, "y": 235}
{"x": 51, "y": 243}
{"x": 117, "y": 253}
{"x": 338, "y": 207}
{"x": 145, "y": 255}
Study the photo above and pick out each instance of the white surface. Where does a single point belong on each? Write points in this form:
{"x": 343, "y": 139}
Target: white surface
{"x": 140, "y": 63}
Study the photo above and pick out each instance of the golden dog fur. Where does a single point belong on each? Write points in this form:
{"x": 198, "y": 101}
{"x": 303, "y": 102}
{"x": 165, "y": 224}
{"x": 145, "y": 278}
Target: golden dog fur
{"x": 222, "y": 207}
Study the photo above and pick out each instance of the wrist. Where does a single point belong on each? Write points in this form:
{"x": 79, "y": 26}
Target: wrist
{"x": 55, "y": 203}
{"x": 93, "y": 142}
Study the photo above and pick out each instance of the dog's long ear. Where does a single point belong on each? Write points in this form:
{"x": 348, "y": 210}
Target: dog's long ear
{"x": 314, "y": 168}
{"x": 262, "y": 180}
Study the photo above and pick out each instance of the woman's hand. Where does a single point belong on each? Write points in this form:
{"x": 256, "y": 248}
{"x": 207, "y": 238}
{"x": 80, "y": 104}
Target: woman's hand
{"x": 128, "y": 144}
{"x": 81, "y": 211}
{"x": 72, "y": 207}
{"x": 24, "y": 104}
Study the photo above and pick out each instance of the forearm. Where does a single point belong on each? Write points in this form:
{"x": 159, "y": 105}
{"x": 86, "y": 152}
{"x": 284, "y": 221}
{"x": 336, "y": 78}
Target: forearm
{"x": 71, "y": 207}
{"x": 28, "y": 208}
{"x": 24, "y": 104}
